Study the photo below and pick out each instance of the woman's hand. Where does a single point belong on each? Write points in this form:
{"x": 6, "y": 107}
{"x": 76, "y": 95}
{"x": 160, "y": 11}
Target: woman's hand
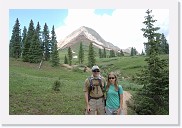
{"x": 119, "y": 111}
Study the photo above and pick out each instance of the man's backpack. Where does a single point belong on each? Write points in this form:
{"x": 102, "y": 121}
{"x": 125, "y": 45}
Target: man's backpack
{"x": 91, "y": 87}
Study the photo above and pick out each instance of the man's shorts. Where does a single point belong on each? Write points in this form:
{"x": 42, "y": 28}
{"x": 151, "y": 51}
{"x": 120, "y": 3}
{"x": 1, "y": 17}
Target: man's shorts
{"x": 97, "y": 107}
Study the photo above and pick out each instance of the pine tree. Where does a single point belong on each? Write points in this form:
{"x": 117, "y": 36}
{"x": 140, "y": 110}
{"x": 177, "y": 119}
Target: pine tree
{"x": 153, "y": 98}
{"x": 132, "y": 52}
{"x": 100, "y": 53}
{"x": 142, "y": 53}
{"x": 28, "y": 40}
{"x": 112, "y": 53}
{"x": 24, "y": 35}
{"x": 164, "y": 45}
{"x": 65, "y": 60}
{"x": 91, "y": 55}
{"x": 70, "y": 56}
{"x": 81, "y": 54}
{"x": 46, "y": 42}
{"x": 35, "y": 51}
{"x": 121, "y": 53}
{"x": 54, "y": 51}
{"x": 15, "y": 42}
{"x": 104, "y": 55}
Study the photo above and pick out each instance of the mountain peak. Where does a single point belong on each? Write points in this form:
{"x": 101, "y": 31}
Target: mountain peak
{"x": 86, "y": 34}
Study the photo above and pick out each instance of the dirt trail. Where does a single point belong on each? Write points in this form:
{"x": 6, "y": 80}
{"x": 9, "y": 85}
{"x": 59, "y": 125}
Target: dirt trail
{"x": 126, "y": 96}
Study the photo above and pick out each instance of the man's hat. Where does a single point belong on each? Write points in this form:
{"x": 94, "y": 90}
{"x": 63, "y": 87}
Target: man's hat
{"x": 95, "y": 67}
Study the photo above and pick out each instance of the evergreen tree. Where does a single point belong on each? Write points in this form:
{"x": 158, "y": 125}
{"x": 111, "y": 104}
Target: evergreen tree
{"x": 91, "y": 55}
{"x": 104, "y": 55}
{"x": 132, "y": 52}
{"x": 121, "y": 53}
{"x": 112, "y": 53}
{"x": 24, "y": 35}
{"x": 15, "y": 42}
{"x": 70, "y": 56}
{"x": 65, "y": 60}
{"x": 35, "y": 51}
{"x": 100, "y": 53}
{"x": 142, "y": 53}
{"x": 46, "y": 42}
{"x": 164, "y": 45}
{"x": 54, "y": 51}
{"x": 81, "y": 54}
{"x": 153, "y": 98}
{"x": 28, "y": 40}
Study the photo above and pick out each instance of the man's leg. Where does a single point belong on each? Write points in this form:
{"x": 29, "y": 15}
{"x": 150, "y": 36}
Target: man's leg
{"x": 100, "y": 106}
{"x": 92, "y": 104}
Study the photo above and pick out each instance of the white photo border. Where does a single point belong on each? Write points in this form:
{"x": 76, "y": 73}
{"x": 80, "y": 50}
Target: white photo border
{"x": 171, "y": 119}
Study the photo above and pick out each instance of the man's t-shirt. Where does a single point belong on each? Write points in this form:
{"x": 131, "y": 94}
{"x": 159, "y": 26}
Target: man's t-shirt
{"x": 113, "y": 97}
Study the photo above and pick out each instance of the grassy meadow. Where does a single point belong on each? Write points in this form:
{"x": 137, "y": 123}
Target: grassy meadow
{"x": 31, "y": 93}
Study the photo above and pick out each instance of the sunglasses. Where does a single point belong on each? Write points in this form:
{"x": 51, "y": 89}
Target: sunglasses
{"x": 95, "y": 71}
{"x": 111, "y": 78}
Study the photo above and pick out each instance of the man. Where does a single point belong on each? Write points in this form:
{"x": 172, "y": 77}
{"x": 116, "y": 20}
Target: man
{"x": 94, "y": 93}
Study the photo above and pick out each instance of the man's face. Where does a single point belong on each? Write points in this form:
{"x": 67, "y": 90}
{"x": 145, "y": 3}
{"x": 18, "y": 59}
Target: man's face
{"x": 96, "y": 72}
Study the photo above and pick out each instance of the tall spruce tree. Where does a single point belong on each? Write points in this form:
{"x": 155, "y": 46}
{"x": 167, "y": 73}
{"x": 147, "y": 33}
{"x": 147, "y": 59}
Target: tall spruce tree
{"x": 28, "y": 40}
{"x": 65, "y": 60}
{"x": 15, "y": 42}
{"x": 91, "y": 55}
{"x": 70, "y": 56}
{"x": 132, "y": 52}
{"x": 100, "y": 53}
{"x": 164, "y": 45}
{"x": 81, "y": 54}
{"x": 121, "y": 53}
{"x": 104, "y": 54}
{"x": 35, "y": 51}
{"x": 112, "y": 53}
{"x": 46, "y": 42}
{"x": 24, "y": 35}
{"x": 153, "y": 98}
{"x": 54, "y": 50}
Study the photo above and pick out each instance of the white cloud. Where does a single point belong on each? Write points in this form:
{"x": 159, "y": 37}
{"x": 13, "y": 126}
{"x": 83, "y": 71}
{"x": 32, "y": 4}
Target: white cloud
{"x": 122, "y": 28}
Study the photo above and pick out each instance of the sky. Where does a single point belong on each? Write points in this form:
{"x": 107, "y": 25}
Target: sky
{"x": 121, "y": 27}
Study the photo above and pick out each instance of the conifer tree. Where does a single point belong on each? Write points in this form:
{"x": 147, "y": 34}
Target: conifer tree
{"x": 28, "y": 40}
{"x": 132, "y": 52}
{"x": 46, "y": 42}
{"x": 112, "y": 53}
{"x": 164, "y": 45}
{"x": 70, "y": 56}
{"x": 100, "y": 53}
{"x": 15, "y": 42}
{"x": 142, "y": 53}
{"x": 35, "y": 51}
{"x": 121, "y": 53}
{"x": 91, "y": 55}
{"x": 153, "y": 98}
{"x": 65, "y": 60}
{"x": 81, "y": 54}
{"x": 104, "y": 54}
{"x": 54, "y": 51}
{"x": 24, "y": 35}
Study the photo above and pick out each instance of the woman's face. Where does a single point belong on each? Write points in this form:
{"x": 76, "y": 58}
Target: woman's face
{"x": 112, "y": 79}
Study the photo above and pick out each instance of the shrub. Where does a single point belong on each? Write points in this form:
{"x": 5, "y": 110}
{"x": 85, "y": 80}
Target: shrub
{"x": 56, "y": 85}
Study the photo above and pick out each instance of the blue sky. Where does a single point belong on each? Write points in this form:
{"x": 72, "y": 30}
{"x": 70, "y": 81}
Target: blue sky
{"x": 51, "y": 17}
{"x": 121, "y": 27}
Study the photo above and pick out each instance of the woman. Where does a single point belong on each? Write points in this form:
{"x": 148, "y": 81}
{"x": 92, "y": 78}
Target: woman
{"x": 114, "y": 96}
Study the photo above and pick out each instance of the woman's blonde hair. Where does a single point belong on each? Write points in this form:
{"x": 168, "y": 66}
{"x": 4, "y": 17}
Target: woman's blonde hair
{"x": 115, "y": 83}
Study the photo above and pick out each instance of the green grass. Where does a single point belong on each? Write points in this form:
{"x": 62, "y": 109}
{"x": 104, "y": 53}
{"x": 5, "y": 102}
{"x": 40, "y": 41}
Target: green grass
{"x": 31, "y": 90}
{"x": 31, "y": 93}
